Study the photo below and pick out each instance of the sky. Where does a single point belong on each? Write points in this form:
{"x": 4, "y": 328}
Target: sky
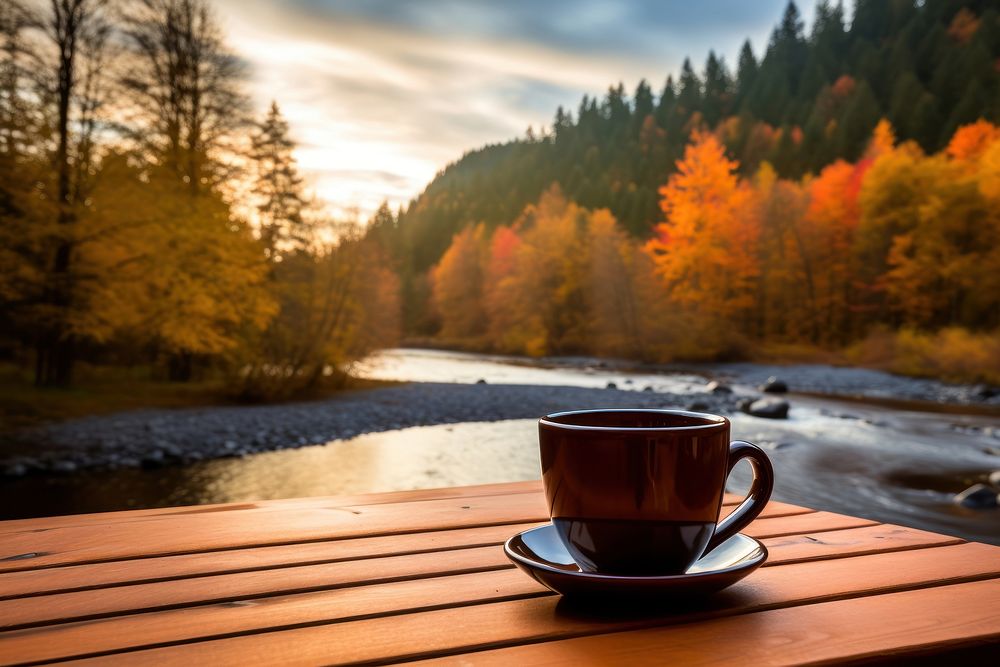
{"x": 380, "y": 95}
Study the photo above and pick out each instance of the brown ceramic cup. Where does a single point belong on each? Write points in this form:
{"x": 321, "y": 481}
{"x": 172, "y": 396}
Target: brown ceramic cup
{"x": 638, "y": 492}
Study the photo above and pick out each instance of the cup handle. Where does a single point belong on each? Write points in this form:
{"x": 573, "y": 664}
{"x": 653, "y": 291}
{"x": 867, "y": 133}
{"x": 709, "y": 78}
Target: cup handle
{"x": 760, "y": 491}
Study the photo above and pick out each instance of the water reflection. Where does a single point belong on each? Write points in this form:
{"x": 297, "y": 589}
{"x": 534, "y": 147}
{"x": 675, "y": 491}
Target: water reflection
{"x": 418, "y": 365}
{"x": 413, "y": 458}
{"x": 890, "y": 465}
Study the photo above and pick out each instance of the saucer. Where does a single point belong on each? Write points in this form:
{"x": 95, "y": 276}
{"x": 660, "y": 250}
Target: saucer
{"x": 542, "y": 555}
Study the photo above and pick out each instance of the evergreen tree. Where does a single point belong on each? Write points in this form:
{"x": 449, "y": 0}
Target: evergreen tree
{"x": 278, "y": 186}
{"x": 718, "y": 90}
{"x": 642, "y": 106}
{"x": 689, "y": 96}
{"x": 857, "y": 122}
{"x": 666, "y": 108}
{"x": 746, "y": 73}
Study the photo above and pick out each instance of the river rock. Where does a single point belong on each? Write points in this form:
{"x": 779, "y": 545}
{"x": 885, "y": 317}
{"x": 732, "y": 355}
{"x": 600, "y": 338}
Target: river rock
{"x": 985, "y": 391}
{"x": 648, "y": 387}
{"x": 154, "y": 459}
{"x": 773, "y": 446}
{"x": 15, "y": 470}
{"x": 768, "y": 408}
{"x": 612, "y": 385}
{"x": 715, "y": 387}
{"x": 977, "y": 497}
{"x": 698, "y": 406}
{"x": 994, "y": 478}
{"x": 774, "y": 386}
{"x": 481, "y": 381}
{"x": 64, "y": 465}
{"x": 995, "y": 451}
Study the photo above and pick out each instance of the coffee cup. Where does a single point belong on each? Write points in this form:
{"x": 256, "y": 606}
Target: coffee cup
{"x": 639, "y": 492}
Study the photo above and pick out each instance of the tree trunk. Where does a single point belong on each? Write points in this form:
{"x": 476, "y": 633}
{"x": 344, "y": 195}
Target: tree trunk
{"x": 180, "y": 367}
{"x": 56, "y": 354}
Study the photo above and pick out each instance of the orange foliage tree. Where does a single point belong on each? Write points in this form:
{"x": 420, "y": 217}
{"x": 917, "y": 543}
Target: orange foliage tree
{"x": 706, "y": 249}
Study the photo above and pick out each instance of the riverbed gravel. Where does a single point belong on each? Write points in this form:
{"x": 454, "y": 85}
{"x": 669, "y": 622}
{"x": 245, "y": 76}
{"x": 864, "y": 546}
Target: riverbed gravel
{"x": 154, "y": 438}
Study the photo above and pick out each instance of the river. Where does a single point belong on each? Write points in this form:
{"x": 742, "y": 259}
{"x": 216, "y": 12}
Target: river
{"x": 895, "y": 465}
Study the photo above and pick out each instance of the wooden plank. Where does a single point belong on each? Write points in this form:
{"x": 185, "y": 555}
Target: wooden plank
{"x": 881, "y": 538}
{"x": 202, "y": 532}
{"x": 112, "y": 573}
{"x": 804, "y": 523}
{"x": 18, "y": 612}
{"x": 893, "y": 625}
{"x": 81, "y": 577}
{"x": 428, "y": 629}
{"x": 245, "y": 585}
{"x": 123, "y": 632}
{"x": 322, "y": 607}
{"x": 417, "y": 495}
{"x": 174, "y": 534}
{"x": 105, "y": 518}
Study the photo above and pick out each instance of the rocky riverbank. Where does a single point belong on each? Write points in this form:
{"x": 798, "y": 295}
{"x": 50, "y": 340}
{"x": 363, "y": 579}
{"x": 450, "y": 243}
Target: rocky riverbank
{"x": 153, "y": 438}
{"x": 823, "y": 379}
{"x": 857, "y": 382}
{"x": 518, "y": 388}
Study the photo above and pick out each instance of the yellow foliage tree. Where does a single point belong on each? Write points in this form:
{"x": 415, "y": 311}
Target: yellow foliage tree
{"x": 787, "y": 289}
{"x": 457, "y": 286}
{"x": 160, "y": 266}
{"x": 544, "y": 308}
{"x": 938, "y": 235}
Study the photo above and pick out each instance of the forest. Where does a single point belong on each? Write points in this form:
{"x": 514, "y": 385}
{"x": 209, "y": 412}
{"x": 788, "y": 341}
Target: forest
{"x": 899, "y": 250}
{"x": 149, "y": 220}
{"x": 803, "y": 102}
{"x": 835, "y": 194}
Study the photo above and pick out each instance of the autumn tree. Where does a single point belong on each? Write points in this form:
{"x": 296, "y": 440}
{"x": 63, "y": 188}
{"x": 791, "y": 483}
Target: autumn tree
{"x": 186, "y": 104}
{"x": 53, "y": 67}
{"x": 831, "y": 219}
{"x": 787, "y": 307}
{"x": 457, "y": 283}
{"x": 21, "y": 254}
{"x": 544, "y": 296}
{"x": 705, "y": 249}
{"x": 185, "y": 86}
{"x": 335, "y": 306}
{"x": 614, "y": 312}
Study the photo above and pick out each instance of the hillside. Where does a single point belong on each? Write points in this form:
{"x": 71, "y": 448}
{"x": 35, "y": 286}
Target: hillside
{"x": 807, "y": 100}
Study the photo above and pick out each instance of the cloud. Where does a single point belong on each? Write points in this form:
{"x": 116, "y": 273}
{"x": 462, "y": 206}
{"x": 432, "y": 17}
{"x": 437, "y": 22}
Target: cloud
{"x": 382, "y": 95}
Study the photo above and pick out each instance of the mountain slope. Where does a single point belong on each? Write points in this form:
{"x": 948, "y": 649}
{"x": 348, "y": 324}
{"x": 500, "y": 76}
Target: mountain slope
{"x": 808, "y": 101}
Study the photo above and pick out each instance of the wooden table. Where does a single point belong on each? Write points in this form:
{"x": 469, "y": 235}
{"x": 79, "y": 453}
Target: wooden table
{"x": 421, "y": 575}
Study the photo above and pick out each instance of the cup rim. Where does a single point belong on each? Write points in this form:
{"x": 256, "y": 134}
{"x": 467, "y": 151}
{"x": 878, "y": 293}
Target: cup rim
{"x": 713, "y": 421}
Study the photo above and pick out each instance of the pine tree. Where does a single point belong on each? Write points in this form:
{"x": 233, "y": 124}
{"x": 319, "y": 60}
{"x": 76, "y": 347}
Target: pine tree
{"x": 689, "y": 96}
{"x": 278, "y": 186}
{"x": 746, "y": 73}
{"x": 642, "y": 106}
{"x": 857, "y": 122}
{"x": 718, "y": 90}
